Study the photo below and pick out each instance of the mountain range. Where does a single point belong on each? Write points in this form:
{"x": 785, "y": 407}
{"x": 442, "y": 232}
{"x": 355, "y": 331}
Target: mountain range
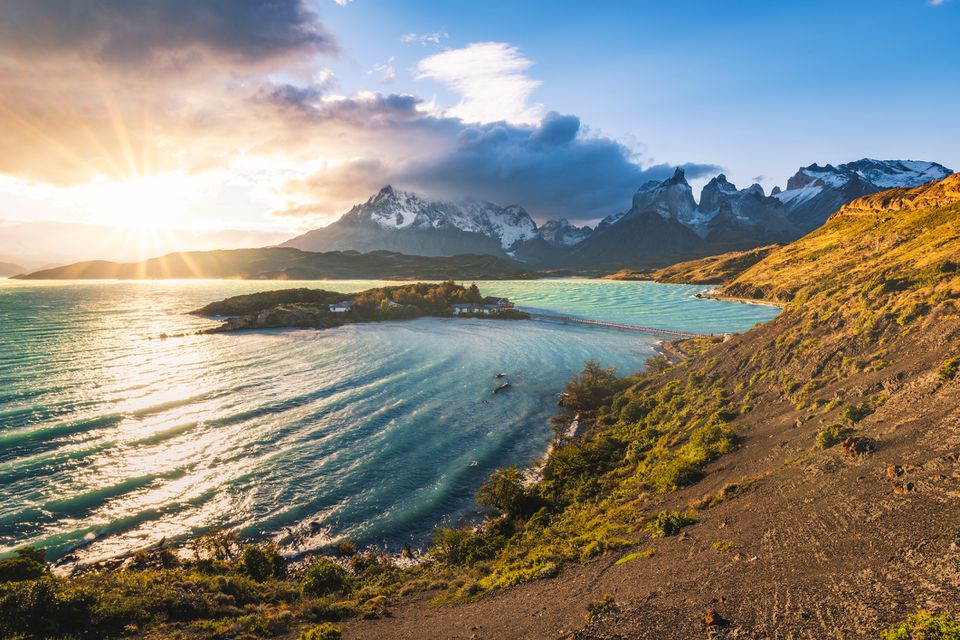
{"x": 664, "y": 223}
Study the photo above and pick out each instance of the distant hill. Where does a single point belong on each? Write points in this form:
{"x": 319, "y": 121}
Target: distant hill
{"x": 282, "y": 263}
{"x": 41, "y": 244}
{"x": 9, "y": 269}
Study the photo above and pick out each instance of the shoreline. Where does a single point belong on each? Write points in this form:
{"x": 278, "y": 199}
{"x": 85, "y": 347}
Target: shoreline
{"x": 711, "y": 295}
{"x": 574, "y": 429}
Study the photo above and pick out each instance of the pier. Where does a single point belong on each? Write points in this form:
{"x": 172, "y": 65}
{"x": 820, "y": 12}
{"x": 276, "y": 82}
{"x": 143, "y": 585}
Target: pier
{"x": 666, "y": 333}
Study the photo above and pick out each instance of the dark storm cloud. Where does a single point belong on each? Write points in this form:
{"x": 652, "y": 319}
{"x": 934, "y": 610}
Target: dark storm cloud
{"x": 551, "y": 169}
{"x": 548, "y": 169}
{"x": 131, "y": 32}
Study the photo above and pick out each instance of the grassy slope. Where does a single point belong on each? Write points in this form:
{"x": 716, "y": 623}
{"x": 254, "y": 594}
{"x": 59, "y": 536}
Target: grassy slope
{"x": 790, "y": 539}
{"x": 711, "y": 270}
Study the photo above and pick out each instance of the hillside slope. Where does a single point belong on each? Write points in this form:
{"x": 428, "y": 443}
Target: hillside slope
{"x": 819, "y": 456}
{"x": 718, "y": 269}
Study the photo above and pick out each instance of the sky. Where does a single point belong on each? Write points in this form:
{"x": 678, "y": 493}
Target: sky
{"x": 279, "y": 115}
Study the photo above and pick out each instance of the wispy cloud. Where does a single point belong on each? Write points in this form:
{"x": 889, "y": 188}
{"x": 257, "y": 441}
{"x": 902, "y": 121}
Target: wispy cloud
{"x": 937, "y": 3}
{"x": 386, "y": 72}
{"x": 425, "y": 38}
{"x": 490, "y": 79}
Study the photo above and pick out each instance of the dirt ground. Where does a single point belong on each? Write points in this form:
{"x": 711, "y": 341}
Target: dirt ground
{"x": 823, "y": 544}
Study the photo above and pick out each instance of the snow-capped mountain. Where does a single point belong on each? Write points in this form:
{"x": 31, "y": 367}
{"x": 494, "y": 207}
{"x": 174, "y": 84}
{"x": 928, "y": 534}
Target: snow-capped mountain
{"x": 403, "y": 221}
{"x": 665, "y": 223}
{"x": 814, "y": 192}
{"x": 560, "y": 233}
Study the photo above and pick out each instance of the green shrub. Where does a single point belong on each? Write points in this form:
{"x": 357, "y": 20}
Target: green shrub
{"x": 646, "y": 553}
{"x": 504, "y": 492}
{"x": 924, "y": 625}
{"x": 657, "y": 364}
{"x": 21, "y": 567}
{"x": 832, "y": 434}
{"x": 460, "y": 547}
{"x": 324, "y": 577}
{"x": 45, "y": 608}
{"x": 597, "y": 608}
{"x": 855, "y": 413}
{"x": 261, "y": 562}
{"x": 325, "y": 631}
{"x": 668, "y": 523}
{"x": 948, "y": 370}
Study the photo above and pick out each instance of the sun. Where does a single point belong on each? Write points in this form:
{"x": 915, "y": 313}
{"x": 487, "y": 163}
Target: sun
{"x": 149, "y": 203}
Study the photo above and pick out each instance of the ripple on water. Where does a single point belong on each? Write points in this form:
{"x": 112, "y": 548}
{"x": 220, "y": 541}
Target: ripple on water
{"x": 379, "y": 432}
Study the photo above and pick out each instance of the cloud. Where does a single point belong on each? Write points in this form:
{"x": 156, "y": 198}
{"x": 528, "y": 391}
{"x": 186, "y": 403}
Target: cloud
{"x": 553, "y": 168}
{"x": 937, "y": 3}
{"x": 425, "y": 38}
{"x": 162, "y": 33}
{"x": 386, "y": 72}
{"x": 118, "y": 91}
{"x": 490, "y": 79}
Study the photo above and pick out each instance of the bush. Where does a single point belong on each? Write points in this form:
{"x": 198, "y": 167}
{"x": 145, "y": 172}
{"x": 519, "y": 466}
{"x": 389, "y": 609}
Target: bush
{"x": 657, "y": 364}
{"x": 669, "y": 523}
{"x": 459, "y": 547}
{"x": 19, "y": 569}
{"x": 45, "y": 608}
{"x": 261, "y": 563}
{"x": 597, "y": 608}
{"x": 924, "y": 625}
{"x": 855, "y": 413}
{"x": 948, "y": 370}
{"x": 504, "y": 492}
{"x": 324, "y": 577}
{"x": 832, "y": 434}
{"x": 325, "y": 631}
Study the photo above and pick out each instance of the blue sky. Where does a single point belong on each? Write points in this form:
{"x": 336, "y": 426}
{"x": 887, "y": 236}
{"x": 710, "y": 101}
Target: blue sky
{"x": 759, "y": 88}
{"x": 281, "y": 114}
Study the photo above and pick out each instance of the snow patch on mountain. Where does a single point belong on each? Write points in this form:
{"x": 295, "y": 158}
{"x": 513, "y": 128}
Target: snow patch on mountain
{"x": 395, "y": 209}
{"x": 560, "y": 233}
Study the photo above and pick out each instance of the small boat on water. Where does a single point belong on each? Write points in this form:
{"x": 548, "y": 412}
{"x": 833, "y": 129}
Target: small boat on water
{"x": 504, "y": 386}
{"x": 500, "y": 375}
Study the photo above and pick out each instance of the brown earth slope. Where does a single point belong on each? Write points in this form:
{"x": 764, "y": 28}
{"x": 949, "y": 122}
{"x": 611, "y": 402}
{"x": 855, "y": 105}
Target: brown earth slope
{"x": 711, "y": 270}
{"x": 791, "y": 540}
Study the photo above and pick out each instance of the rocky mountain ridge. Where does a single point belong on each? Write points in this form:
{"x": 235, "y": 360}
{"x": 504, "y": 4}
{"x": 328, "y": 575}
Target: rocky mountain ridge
{"x": 664, "y": 224}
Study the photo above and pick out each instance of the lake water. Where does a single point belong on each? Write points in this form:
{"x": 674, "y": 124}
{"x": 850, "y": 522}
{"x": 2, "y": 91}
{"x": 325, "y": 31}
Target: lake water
{"x": 377, "y": 433}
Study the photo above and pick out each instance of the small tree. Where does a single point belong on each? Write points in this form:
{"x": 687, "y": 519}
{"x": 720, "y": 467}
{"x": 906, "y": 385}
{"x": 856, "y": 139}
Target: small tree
{"x": 504, "y": 492}
{"x": 262, "y": 562}
{"x": 587, "y": 390}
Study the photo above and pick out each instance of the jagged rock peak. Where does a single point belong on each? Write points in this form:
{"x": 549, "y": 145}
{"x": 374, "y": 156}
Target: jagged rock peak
{"x": 560, "y": 233}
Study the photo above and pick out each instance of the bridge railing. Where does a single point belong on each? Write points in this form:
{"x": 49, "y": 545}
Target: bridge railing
{"x": 618, "y": 325}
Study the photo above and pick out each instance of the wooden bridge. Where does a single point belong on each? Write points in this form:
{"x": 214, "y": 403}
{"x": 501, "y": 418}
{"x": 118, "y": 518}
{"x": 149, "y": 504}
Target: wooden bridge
{"x": 666, "y": 333}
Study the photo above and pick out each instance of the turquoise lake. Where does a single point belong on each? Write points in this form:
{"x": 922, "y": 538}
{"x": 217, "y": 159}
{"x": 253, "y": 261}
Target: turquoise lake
{"x": 377, "y": 433}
